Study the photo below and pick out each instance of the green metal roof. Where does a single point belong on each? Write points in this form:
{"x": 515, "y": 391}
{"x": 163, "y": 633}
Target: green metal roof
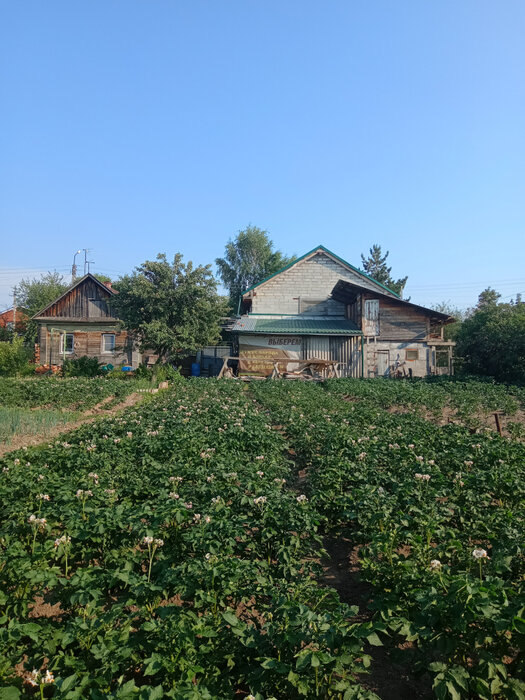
{"x": 295, "y": 326}
{"x": 325, "y": 250}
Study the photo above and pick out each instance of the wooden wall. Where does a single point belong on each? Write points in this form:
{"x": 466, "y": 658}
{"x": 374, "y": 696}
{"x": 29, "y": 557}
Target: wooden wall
{"x": 86, "y": 342}
{"x": 86, "y": 301}
{"x": 400, "y": 322}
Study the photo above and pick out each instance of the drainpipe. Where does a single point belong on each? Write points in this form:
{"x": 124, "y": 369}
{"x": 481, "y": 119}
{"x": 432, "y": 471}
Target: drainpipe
{"x": 362, "y": 358}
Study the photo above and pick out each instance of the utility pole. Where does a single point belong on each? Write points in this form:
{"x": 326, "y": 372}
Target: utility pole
{"x": 74, "y": 267}
{"x": 14, "y": 311}
{"x": 87, "y": 262}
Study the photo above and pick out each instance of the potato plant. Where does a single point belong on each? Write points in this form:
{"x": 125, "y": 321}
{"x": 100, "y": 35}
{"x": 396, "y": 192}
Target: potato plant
{"x": 72, "y": 393}
{"x": 438, "y": 513}
{"x": 162, "y": 553}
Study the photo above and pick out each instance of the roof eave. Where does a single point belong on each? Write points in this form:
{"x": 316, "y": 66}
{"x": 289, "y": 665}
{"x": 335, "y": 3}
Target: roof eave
{"x": 328, "y": 252}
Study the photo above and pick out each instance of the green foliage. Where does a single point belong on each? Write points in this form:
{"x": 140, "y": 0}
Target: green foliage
{"x": 488, "y": 297}
{"x": 440, "y": 511}
{"x": 35, "y": 294}
{"x": 6, "y": 334}
{"x": 103, "y": 278}
{"x": 375, "y": 266}
{"x": 82, "y": 367}
{"x": 171, "y": 308}
{"x": 14, "y": 359}
{"x": 72, "y": 393}
{"x": 180, "y": 564}
{"x": 248, "y": 259}
{"x": 491, "y": 342}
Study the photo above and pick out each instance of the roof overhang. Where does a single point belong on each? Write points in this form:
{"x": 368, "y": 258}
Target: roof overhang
{"x": 347, "y": 293}
{"x": 294, "y": 326}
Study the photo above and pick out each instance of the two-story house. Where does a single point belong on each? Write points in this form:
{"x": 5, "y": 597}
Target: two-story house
{"x": 322, "y": 307}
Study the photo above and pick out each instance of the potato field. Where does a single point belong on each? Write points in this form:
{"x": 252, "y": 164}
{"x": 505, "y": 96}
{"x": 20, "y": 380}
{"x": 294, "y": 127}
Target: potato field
{"x": 176, "y": 549}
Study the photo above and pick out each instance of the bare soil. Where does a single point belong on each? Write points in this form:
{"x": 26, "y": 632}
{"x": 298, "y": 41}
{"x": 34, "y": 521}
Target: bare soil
{"x": 88, "y": 416}
{"x": 389, "y": 680}
{"x": 479, "y": 421}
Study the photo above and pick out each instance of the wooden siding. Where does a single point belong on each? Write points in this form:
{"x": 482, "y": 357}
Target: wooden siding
{"x": 399, "y": 322}
{"x": 85, "y": 342}
{"x": 86, "y": 301}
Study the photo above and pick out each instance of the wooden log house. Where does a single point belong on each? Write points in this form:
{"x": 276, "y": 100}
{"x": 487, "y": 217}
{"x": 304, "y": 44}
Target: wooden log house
{"x": 82, "y": 322}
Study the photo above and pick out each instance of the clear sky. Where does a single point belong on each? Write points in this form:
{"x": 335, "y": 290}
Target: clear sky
{"x": 133, "y": 127}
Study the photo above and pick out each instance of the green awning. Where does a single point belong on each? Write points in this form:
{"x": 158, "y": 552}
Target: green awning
{"x": 295, "y": 326}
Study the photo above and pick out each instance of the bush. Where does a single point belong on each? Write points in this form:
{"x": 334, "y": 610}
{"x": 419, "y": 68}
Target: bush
{"x": 14, "y": 359}
{"x": 492, "y": 342}
{"x": 82, "y": 367}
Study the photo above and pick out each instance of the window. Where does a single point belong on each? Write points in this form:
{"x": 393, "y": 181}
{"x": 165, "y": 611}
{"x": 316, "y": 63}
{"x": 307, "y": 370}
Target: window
{"x": 108, "y": 342}
{"x": 67, "y": 343}
{"x": 371, "y": 320}
{"x": 412, "y": 354}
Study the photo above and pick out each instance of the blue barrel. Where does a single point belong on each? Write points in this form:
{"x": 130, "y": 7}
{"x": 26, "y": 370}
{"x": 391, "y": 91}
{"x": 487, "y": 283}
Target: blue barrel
{"x": 195, "y": 369}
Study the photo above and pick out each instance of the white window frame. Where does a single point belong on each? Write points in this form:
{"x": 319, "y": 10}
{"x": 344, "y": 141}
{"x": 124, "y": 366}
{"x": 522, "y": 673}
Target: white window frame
{"x": 104, "y": 349}
{"x": 63, "y": 344}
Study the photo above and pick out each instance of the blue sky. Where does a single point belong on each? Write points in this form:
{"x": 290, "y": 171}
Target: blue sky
{"x": 133, "y": 127}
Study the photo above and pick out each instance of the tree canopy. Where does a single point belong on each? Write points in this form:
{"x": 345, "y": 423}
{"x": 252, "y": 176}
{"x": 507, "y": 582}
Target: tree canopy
{"x": 375, "y": 266}
{"x": 492, "y": 340}
{"x": 35, "y": 294}
{"x": 171, "y": 308}
{"x": 248, "y": 259}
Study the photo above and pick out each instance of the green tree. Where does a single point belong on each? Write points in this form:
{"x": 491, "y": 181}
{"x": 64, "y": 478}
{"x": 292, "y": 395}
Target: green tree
{"x": 375, "y": 266}
{"x": 33, "y": 295}
{"x": 171, "y": 308}
{"x": 491, "y": 342}
{"x": 248, "y": 259}
{"x": 488, "y": 297}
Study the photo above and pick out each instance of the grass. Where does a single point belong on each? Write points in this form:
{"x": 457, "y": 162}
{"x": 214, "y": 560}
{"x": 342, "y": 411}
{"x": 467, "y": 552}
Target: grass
{"x": 24, "y": 421}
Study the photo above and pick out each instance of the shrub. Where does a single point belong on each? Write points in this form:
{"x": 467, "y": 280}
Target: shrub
{"x": 81, "y": 367}
{"x": 14, "y": 359}
{"x": 492, "y": 342}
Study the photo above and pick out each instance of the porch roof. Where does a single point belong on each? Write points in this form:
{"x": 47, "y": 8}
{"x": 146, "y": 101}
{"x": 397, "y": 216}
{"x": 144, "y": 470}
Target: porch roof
{"x": 294, "y": 326}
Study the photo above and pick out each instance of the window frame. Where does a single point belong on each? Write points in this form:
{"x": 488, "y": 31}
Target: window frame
{"x": 412, "y": 359}
{"x": 63, "y": 343}
{"x": 104, "y": 351}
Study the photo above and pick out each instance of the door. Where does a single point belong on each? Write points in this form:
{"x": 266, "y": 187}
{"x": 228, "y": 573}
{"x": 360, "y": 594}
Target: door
{"x": 383, "y": 363}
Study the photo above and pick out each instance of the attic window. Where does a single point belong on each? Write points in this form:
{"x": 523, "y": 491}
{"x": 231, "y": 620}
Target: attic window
{"x": 412, "y": 355}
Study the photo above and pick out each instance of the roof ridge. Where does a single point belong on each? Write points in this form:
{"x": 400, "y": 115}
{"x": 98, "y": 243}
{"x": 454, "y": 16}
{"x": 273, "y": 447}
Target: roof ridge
{"x": 329, "y": 252}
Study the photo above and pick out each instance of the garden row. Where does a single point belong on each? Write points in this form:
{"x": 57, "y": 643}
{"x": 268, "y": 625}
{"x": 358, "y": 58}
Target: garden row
{"x": 75, "y": 393}
{"x": 466, "y": 398}
{"x": 438, "y": 515}
{"x": 162, "y": 553}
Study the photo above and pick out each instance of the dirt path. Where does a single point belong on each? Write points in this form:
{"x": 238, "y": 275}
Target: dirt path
{"x": 88, "y": 416}
{"x": 387, "y": 679}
